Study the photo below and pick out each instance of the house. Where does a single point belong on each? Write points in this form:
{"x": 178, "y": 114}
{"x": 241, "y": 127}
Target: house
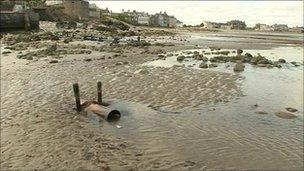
{"x": 137, "y": 18}
{"x": 225, "y": 26}
{"x": 280, "y": 27}
{"x": 179, "y": 23}
{"x": 297, "y": 29}
{"x": 172, "y": 22}
{"x": 160, "y": 20}
{"x": 237, "y": 24}
{"x": 105, "y": 12}
{"x": 74, "y": 9}
{"x": 209, "y": 25}
{"x": 94, "y": 11}
{"x": 143, "y": 18}
{"x": 263, "y": 27}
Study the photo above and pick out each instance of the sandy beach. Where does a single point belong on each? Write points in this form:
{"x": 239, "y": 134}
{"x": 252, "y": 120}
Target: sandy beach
{"x": 40, "y": 128}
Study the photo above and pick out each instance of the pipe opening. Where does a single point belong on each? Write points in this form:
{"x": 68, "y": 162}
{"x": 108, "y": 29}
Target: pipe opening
{"x": 114, "y": 115}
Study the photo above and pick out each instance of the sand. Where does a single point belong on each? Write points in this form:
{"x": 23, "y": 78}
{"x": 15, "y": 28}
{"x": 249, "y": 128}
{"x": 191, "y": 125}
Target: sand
{"x": 41, "y": 130}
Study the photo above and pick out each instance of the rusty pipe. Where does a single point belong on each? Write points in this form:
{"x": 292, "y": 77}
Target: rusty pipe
{"x": 102, "y": 111}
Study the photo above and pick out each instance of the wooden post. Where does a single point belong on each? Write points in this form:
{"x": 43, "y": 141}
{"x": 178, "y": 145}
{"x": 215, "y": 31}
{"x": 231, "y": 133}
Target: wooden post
{"x": 77, "y": 96}
{"x": 99, "y": 92}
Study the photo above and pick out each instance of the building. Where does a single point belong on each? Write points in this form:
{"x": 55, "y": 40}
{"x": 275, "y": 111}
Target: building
{"x": 234, "y": 24}
{"x": 12, "y": 6}
{"x": 263, "y": 27}
{"x": 105, "y": 12}
{"x": 143, "y": 19}
{"x": 237, "y": 24}
{"x": 225, "y": 26}
{"x": 211, "y": 25}
{"x": 179, "y": 23}
{"x": 16, "y": 15}
{"x": 172, "y": 22}
{"x": 74, "y": 9}
{"x": 160, "y": 20}
{"x": 136, "y": 18}
{"x": 297, "y": 29}
{"x": 94, "y": 11}
{"x": 280, "y": 27}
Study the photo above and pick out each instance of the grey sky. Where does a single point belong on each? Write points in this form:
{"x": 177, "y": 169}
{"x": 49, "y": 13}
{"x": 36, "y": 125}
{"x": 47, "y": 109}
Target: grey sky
{"x": 194, "y": 12}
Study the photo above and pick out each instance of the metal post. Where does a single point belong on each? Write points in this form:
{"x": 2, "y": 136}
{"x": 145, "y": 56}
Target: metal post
{"x": 99, "y": 92}
{"x": 77, "y": 96}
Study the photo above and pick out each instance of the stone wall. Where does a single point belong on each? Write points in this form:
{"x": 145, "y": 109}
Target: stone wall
{"x": 22, "y": 20}
{"x": 77, "y": 9}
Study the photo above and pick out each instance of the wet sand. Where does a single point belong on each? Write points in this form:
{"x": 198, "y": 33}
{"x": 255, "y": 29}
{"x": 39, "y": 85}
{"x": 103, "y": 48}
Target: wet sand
{"x": 41, "y": 130}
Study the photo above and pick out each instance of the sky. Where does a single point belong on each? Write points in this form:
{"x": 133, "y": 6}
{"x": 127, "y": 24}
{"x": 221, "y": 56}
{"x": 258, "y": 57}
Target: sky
{"x": 195, "y": 12}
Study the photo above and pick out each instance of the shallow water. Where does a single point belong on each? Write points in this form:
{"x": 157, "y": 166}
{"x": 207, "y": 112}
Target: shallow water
{"x": 228, "y": 136}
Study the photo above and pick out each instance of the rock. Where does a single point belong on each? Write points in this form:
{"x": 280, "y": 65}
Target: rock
{"x": 52, "y": 47}
{"x": 142, "y": 71}
{"x": 88, "y": 59}
{"x": 29, "y": 58}
{"x": 214, "y": 48}
{"x": 259, "y": 60}
{"x": 180, "y": 58}
{"x": 198, "y": 57}
{"x": 67, "y": 40}
{"x": 203, "y": 65}
{"x": 285, "y": 115}
{"x": 269, "y": 66}
{"x": 239, "y": 51}
{"x": 263, "y": 61}
{"x": 212, "y": 65}
{"x": 53, "y": 61}
{"x": 262, "y": 65}
{"x": 220, "y": 59}
{"x": 205, "y": 59}
{"x": 189, "y": 163}
{"x": 161, "y": 56}
{"x": 213, "y": 60}
{"x": 226, "y": 52}
{"x": 276, "y": 64}
{"x": 294, "y": 63}
{"x": 248, "y": 55}
{"x": 290, "y": 109}
{"x": 282, "y": 60}
{"x": 119, "y": 63}
{"x": 239, "y": 66}
{"x": 6, "y": 52}
{"x": 261, "y": 112}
